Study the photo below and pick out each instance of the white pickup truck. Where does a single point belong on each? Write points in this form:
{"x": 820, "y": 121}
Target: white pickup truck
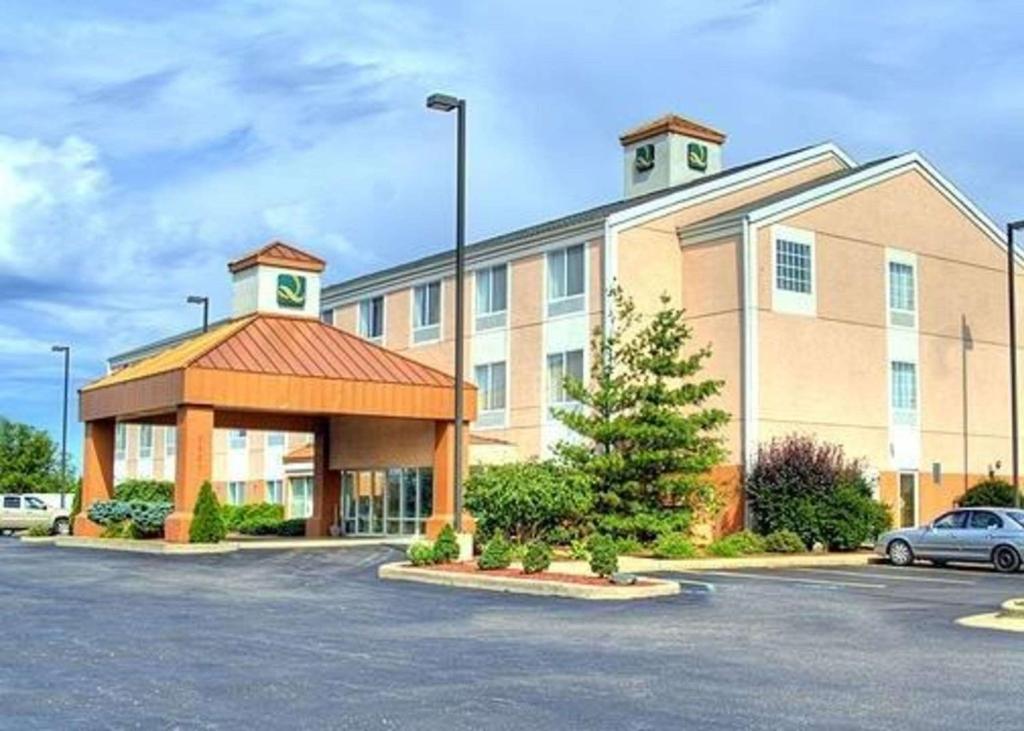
{"x": 21, "y": 512}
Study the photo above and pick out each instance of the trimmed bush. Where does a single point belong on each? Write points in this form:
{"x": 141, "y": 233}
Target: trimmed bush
{"x": 497, "y": 554}
{"x": 674, "y": 545}
{"x": 783, "y": 541}
{"x": 421, "y": 554}
{"x": 207, "y": 523}
{"x": 628, "y": 545}
{"x": 39, "y": 530}
{"x": 446, "y": 547}
{"x": 992, "y": 492}
{"x": 292, "y": 527}
{"x": 578, "y": 551}
{"x": 604, "y": 559}
{"x": 146, "y": 491}
{"x": 537, "y": 558}
{"x": 147, "y": 518}
{"x": 525, "y": 500}
{"x": 737, "y": 544}
{"x": 118, "y": 529}
{"x": 235, "y": 516}
{"x": 851, "y": 517}
{"x": 645, "y": 527}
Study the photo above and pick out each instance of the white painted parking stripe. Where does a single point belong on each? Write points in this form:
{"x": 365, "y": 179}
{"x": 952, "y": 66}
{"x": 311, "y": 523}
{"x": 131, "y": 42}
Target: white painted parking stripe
{"x": 888, "y": 576}
{"x": 795, "y": 580}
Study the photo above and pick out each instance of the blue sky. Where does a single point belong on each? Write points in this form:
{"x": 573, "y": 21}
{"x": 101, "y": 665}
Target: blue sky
{"x": 142, "y": 145}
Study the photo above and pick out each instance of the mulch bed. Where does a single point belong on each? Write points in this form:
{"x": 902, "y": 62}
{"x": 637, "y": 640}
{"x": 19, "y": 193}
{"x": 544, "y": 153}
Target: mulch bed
{"x": 470, "y": 567}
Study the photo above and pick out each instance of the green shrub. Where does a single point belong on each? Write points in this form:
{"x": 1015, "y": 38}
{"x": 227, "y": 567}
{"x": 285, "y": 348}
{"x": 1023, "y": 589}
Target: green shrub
{"x": 674, "y": 545}
{"x": 604, "y": 559}
{"x": 525, "y": 500}
{"x": 39, "y": 530}
{"x": 76, "y": 507}
{"x": 992, "y": 492}
{"x": 578, "y": 550}
{"x": 497, "y": 554}
{"x": 783, "y": 541}
{"x": 147, "y": 518}
{"x": 421, "y": 554}
{"x": 737, "y": 544}
{"x": 446, "y": 546}
{"x": 645, "y": 527}
{"x": 628, "y": 545}
{"x": 292, "y": 527}
{"x": 235, "y": 516}
{"x": 537, "y": 558}
{"x": 850, "y": 517}
{"x": 146, "y": 491}
{"x": 117, "y": 529}
{"x": 207, "y": 523}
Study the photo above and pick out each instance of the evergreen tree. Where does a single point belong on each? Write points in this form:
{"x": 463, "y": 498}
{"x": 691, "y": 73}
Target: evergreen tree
{"x": 207, "y": 521}
{"x": 648, "y": 437}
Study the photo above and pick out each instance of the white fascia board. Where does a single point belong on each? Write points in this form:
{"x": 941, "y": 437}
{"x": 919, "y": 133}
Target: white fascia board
{"x": 872, "y": 176}
{"x": 641, "y": 212}
{"x": 749, "y": 353}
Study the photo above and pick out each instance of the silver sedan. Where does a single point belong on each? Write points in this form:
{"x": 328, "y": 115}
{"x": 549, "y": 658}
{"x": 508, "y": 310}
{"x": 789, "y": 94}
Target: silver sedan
{"x": 978, "y": 535}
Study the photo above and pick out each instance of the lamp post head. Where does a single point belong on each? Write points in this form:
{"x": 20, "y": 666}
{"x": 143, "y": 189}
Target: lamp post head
{"x": 195, "y": 299}
{"x": 443, "y": 102}
{"x": 61, "y": 348}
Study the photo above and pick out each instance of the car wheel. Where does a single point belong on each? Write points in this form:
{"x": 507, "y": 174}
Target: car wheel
{"x": 61, "y": 527}
{"x": 1006, "y": 560}
{"x": 900, "y": 553}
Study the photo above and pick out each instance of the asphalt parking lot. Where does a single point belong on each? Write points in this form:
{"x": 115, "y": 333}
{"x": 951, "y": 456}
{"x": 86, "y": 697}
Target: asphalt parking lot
{"x": 314, "y": 640}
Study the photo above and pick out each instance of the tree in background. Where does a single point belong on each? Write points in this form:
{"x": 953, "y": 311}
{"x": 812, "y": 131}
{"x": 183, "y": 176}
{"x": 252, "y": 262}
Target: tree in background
{"x": 649, "y": 438}
{"x": 29, "y": 460}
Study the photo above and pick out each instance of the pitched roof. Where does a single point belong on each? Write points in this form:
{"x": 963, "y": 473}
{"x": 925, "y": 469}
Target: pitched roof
{"x": 672, "y": 123}
{"x": 278, "y": 253}
{"x": 285, "y": 346}
{"x": 300, "y": 454}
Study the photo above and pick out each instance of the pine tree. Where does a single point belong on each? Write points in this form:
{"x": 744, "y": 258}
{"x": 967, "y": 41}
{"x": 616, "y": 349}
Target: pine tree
{"x": 647, "y": 438}
{"x": 207, "y": 522}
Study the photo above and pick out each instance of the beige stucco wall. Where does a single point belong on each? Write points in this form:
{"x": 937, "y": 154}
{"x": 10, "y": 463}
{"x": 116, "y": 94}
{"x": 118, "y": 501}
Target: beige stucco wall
{"x": 367, "y": 443}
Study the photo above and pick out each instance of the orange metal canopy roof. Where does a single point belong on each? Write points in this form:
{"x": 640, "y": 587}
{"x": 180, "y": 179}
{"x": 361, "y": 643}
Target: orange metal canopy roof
{"x": 277, "y": 363}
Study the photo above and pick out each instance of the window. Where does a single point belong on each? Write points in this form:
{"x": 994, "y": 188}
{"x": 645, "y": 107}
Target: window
{"x": 1018, "y": 517}
{"x": 566, "y": 277}
{"x": 275, "y": 439}
{"x": 327, "y": 317}
{"x": 951, "y": 521}
{"x": 371, "y": 318}
{"x": 902, "y": 303}
{"x": 301, "y": 505}
{"x": 146, "y": 441}
{"x": 984, "y": 520}
{"x": 275, "y": 492}
{"x": 490, "y": 379}
{"x": 904, "y": 392}
{"x": 426, "y": 312}
{"x": 793, "y": 266}
{"x": 170, "y": 441}
{"x": 12, "y": 502}
{"x": 491, "y": 297}
{"x": 120, "y": 440}
{"x": 236, "y": 493}
{"x": 236, "y": 439}
{"x": 560, "y": 367}
{"x": 34, "y": 503}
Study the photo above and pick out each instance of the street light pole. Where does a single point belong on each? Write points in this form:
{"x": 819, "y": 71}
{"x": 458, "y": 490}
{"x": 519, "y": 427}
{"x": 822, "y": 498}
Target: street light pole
{"x": 194, "y": 299}
{"x": 446, "y": 103}
{"x": 1012, "y": 297}
{"x": 66, "y": 350}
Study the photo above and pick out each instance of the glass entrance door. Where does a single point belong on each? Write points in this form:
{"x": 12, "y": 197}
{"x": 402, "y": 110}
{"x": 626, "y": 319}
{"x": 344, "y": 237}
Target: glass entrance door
{"x": 908, "y": 499}
{"x": 386, "y": 502}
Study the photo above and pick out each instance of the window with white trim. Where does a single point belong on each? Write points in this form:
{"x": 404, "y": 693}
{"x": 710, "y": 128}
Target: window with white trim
{"x": 146, "y": 441}
{"x": 371, "y": 318}
{"x": 327, "y": 317}
{"x": 904, "y": 392}
{"x": 491, "y": 297}
{"x": 236, "y": 493}
{"x": 301, "y": 502}
{"x": 560, "y": 367}
{"x": 170, "y": 441}
{"x": 566, "y": 280}
{"x": 793, "y": 289}
{"x": 275, "y": 439}
{"x": 120, "y": 440}
{"x": 236, "y": 439}
{"x": 902, "y": 294}
{"x": 426, "y": 312}
{"x": 275, "y": 492}
{"x": 491, "y": 382}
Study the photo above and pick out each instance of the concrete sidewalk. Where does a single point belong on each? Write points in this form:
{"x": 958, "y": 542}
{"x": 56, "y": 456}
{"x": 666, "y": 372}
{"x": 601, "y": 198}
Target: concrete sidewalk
{"x": 637, "y": 565}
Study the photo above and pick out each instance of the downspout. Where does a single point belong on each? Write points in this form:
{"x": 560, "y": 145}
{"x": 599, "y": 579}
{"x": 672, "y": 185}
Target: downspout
{"x": 749, "y": 357}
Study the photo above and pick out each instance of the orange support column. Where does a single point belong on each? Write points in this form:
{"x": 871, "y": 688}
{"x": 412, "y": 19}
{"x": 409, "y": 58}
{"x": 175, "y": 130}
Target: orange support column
{"x": 97, "y": 472}
{"x": 444, "y": 478}
{"x": 326, "y": 484}
{"x": 193, "y": 467}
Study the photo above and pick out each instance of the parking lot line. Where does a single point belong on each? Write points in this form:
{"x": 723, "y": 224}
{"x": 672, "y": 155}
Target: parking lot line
{"x": 888, "y": 576}
{"x": 796, "y": 580}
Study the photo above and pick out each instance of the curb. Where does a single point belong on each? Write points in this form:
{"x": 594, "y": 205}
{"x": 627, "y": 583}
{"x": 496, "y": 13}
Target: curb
{"x": 1012, "y": 609}
{"x": 639, "y": 565}
{"x": 1009, "y": 618}
{"x": 150, "y": 547}
{"x": 38, "y": 540}
{"x": 403, "y": 571}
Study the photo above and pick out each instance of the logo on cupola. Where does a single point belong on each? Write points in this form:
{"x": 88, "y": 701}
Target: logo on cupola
{"x": 291, "y": 291}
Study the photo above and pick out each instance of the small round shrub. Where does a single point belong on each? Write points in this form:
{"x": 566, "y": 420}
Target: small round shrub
{"x": 992, "y": 492}
{"x": 207, "y": 523}
{"x": 446, "y": 546}
{"x": 39, "y": 530}
{"x": 674, "y": 545}
{"x": 421, "y": 554}
{"x": 737, "y": 544}
{"x": 537, "y": 558}
{"x": 146, "y": 491}
{"x": 784, "y": 541}
{"x": 497, "y": 554}
{"x": 578, "y": 550}
{"x": 604, "y": 558}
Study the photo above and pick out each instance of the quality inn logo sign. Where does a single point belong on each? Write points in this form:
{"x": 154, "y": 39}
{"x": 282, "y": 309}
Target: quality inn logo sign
{"x": 697, "y": 156}
{"x": 291, "y": 291}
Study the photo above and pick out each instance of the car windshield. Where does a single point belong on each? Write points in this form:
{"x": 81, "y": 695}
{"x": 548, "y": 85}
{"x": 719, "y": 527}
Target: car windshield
{"x": 1018, "y": 516}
